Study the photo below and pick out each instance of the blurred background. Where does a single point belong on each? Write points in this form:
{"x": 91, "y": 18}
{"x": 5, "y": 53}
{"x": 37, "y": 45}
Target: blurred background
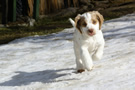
{"x": 48, "y": 16}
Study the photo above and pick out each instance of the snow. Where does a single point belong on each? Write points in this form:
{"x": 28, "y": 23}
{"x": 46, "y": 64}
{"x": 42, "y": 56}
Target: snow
{"x": 48, "y": 62}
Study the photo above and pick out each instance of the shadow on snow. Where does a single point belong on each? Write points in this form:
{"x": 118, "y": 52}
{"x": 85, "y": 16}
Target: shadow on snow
{"x": 46, "y": 76}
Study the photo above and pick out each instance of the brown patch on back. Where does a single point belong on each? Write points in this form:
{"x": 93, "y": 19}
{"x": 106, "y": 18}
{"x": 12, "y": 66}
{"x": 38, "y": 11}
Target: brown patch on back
{"x": 96, "y": 16}
{"x": 80, "y": 22}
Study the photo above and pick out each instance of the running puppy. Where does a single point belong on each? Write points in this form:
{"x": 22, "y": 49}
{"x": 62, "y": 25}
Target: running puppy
{"x": 88, "y": 39}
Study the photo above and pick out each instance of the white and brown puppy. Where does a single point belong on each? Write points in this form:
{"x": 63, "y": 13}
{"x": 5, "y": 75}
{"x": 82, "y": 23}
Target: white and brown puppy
{"x": 88, "y": 39}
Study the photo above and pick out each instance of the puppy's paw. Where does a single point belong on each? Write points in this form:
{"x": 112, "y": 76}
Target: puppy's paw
{"x": 80, "y": 70}
{"x": 90, "y": 68}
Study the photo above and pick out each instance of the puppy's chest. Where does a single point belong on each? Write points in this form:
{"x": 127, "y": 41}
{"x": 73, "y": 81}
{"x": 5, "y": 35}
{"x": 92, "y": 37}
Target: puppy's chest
{"x": 92, "y": 44}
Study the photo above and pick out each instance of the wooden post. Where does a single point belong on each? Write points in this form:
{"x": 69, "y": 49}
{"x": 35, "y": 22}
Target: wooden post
{"x": 14, "y": 11}
{"x": 36, "y": 9}
{"x": 4, "y": 11}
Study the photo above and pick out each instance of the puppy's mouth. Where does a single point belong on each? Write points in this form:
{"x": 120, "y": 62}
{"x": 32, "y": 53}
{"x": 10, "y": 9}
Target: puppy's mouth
{"x": 91, "y": 32}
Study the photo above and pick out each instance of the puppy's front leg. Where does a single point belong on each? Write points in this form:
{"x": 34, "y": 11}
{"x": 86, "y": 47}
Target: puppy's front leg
{"x": 86, "y": 59}
{"x": 99, "y": 53}
{"x": 79, "y": 65}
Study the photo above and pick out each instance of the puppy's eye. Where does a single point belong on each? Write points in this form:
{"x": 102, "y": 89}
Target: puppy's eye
{"x": 84, "y": 24}
{"x": 94, "y": 21}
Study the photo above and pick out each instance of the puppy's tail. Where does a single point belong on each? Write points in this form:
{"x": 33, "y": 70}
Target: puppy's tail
{"x": 72, "y": 22}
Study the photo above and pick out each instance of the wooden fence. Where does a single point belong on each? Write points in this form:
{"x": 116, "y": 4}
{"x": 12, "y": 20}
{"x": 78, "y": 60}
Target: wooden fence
{"x": 49, "y": 6}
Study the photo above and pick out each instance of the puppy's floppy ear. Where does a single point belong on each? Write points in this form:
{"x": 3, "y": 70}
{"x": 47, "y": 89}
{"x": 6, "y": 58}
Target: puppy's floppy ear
{"x": 100, "y": 18}
{"x": 77, "y": 22}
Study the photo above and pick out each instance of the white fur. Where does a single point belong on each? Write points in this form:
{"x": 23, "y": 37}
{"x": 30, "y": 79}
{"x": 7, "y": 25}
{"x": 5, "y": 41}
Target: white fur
{"x": 87, "y": 48}
{"x": 72, "y": 22}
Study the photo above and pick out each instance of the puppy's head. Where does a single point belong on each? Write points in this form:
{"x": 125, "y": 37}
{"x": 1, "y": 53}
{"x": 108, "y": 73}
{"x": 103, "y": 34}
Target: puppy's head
{"x": 88, "y": 23}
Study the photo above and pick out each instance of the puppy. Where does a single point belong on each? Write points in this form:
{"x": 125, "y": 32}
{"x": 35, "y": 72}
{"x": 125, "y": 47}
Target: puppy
{"x": 88, "y": 39}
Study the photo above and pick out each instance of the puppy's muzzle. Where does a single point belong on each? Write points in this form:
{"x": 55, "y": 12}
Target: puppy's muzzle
{"x": 91, "y": 32}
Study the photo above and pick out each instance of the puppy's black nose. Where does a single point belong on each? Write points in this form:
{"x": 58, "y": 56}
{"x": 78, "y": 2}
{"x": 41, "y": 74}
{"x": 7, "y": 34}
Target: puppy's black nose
{"x": 90, "y": 30}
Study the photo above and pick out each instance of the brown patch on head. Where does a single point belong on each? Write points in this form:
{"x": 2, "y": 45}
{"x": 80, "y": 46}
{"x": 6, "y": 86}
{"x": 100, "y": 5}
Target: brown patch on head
{"x": 96, "y": 16}
{"x": 80, "y": 22}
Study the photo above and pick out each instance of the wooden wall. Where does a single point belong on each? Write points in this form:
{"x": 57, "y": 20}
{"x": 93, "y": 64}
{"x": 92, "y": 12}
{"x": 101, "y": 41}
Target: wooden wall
{"x": 49, "y": 6}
